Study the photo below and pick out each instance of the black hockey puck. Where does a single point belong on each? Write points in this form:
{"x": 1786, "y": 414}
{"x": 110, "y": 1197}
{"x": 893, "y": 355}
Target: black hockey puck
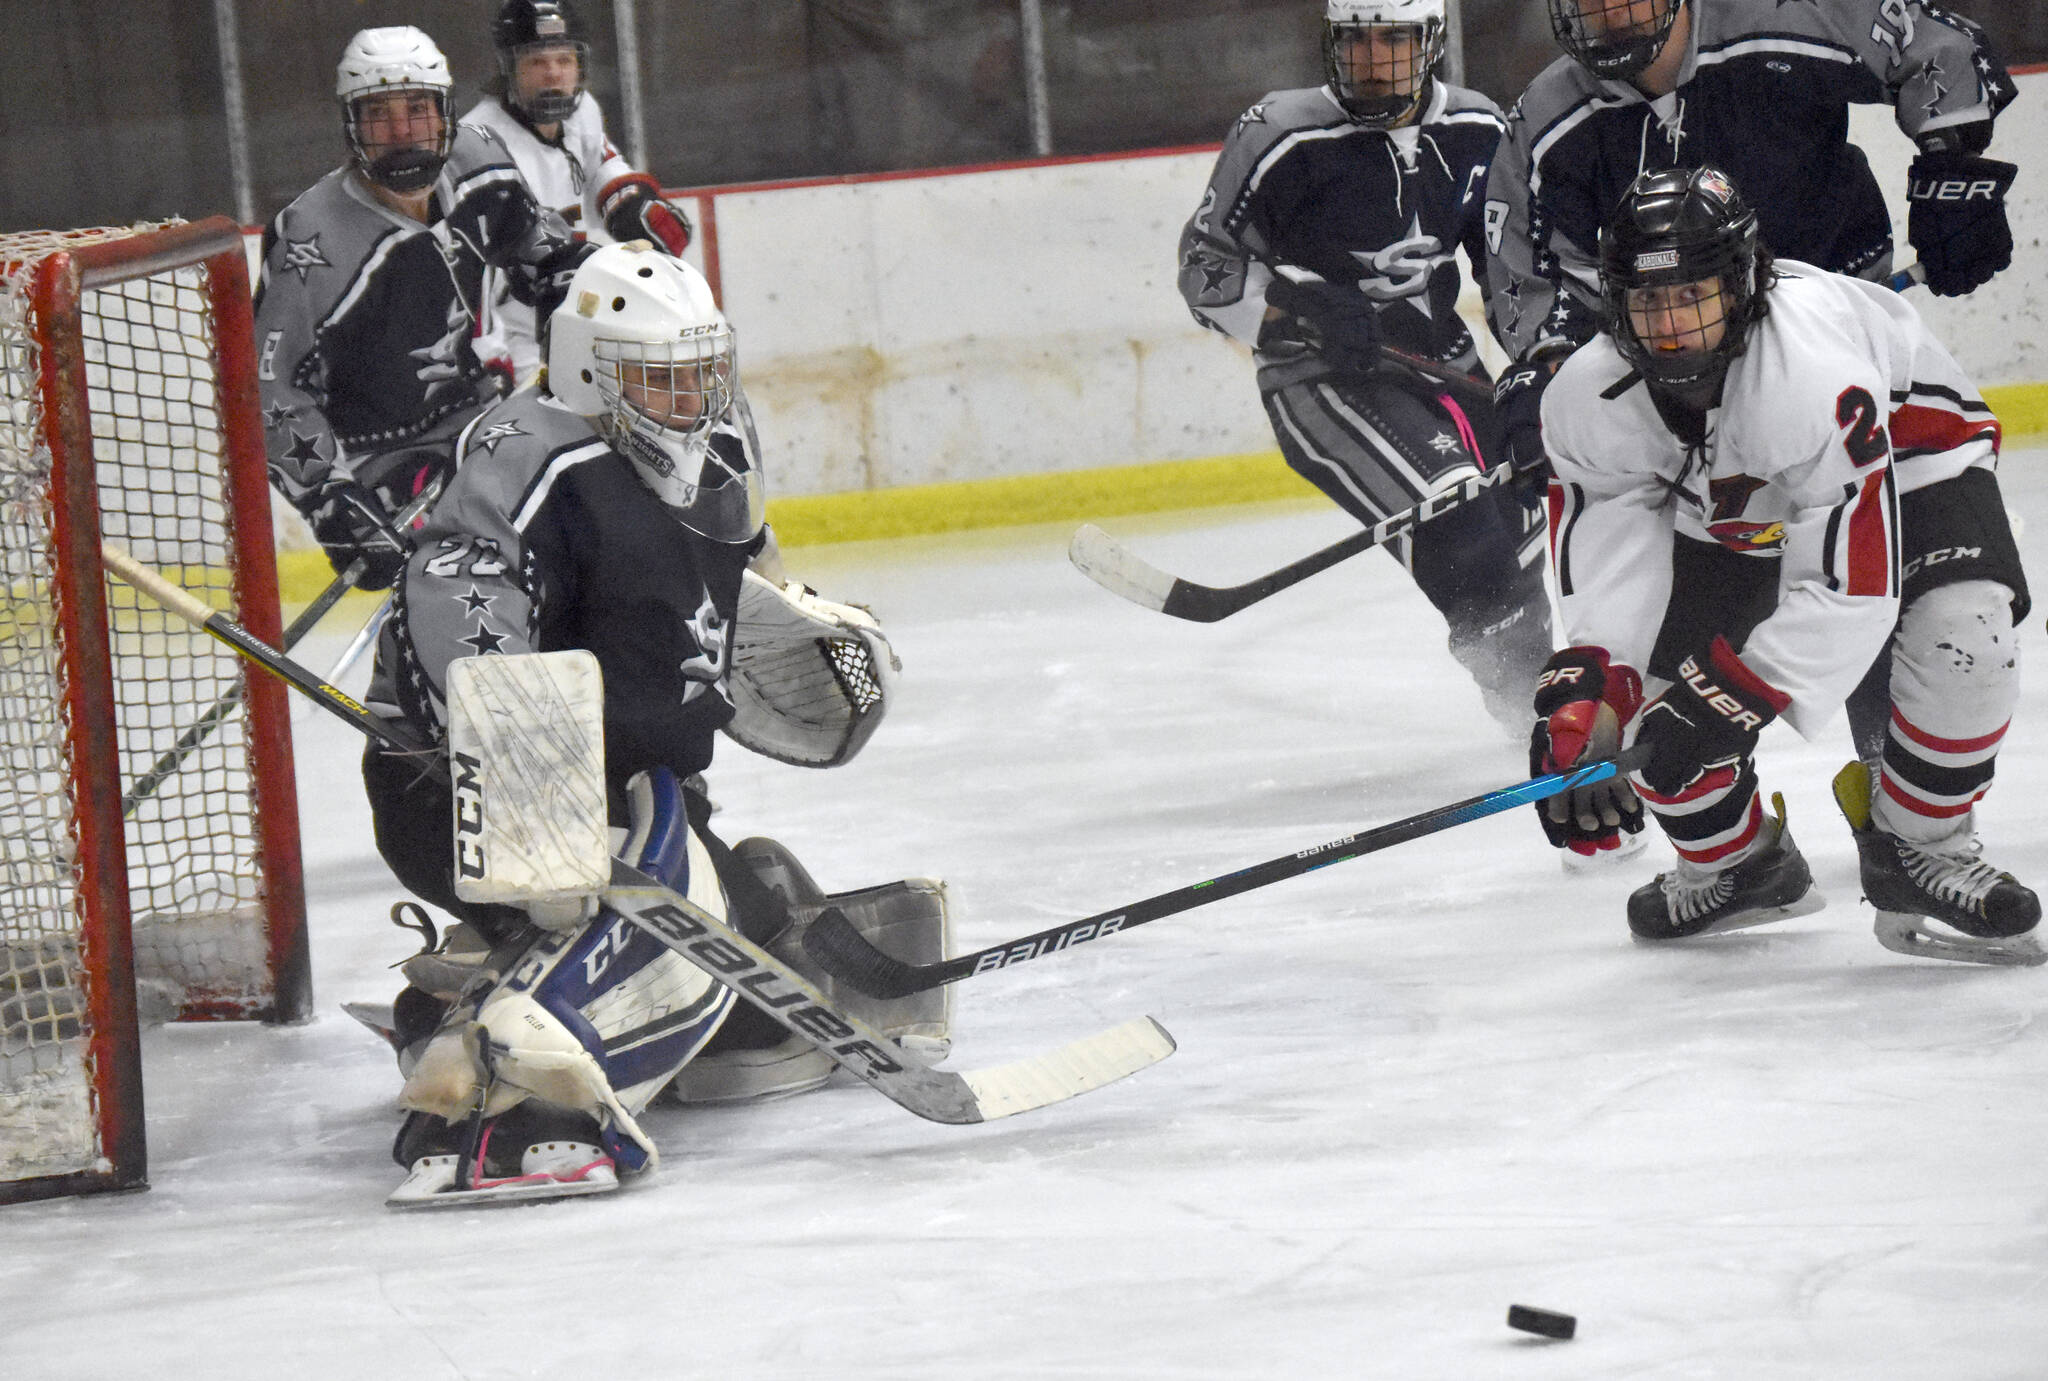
{"x": 1541, "y": 1321}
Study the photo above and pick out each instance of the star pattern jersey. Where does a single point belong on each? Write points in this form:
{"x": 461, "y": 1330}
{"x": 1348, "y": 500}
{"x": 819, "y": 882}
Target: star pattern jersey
{"x": 1764, "y": 95}
{"x": 565, "y": 174}
{"x": 1842, "y": 400}
{"x": 1300, "y": 183}
{"x": 364, "y": 316}
{"x": 546, "y": 539}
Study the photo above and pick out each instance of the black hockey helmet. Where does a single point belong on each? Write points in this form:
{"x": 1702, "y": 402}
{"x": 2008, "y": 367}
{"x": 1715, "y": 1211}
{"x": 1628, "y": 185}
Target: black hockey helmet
{"x": 1613, "y": 39}
{"x": 1675, "y": 228}
{"x": 523, "y": 26}
{"x": 1384, "y": 98}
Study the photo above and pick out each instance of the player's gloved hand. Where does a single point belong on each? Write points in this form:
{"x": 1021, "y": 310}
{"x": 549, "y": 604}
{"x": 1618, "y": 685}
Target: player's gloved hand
{"x": 1956, "y": 218}
{"x": 1518, "y": 417}
{"x": 1582, "y": 701}
{"x": 1335, "y": 320}
{"x": 633, "y": 209}
{"x": 1710, "y": 718}
{"x": 352, "y": 526}
{"x": 550, "y": 281}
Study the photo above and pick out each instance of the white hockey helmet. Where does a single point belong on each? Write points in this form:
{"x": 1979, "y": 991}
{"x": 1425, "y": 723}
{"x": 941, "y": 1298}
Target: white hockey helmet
{"x": 385, "y": 62}
{"x": 640, "y": 346}
{"x": 1382, "y": 94}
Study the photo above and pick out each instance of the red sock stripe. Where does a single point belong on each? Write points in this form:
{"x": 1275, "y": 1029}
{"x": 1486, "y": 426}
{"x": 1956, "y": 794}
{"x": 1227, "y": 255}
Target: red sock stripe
{"x": 1928, "y": 808}
{"x": 1740, "y": 842}
{"x": 1947, "y": 745}
{"x": 1720, "y": 779}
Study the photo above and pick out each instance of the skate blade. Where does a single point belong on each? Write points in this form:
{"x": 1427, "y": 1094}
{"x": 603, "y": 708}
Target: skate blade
{"x": 1764, "y": 915}
{"x": 431, "y": 1185}
{"x": 1904, "y": 933}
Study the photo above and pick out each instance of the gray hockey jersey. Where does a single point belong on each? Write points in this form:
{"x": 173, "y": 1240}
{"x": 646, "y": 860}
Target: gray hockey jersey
{"x": 546, "y": 539}
{"x": 1764, "y": 95}
{"x": 364, "y": 316}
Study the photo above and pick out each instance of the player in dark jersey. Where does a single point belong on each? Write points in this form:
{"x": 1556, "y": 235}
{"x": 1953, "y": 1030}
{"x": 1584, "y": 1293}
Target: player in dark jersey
{"x": 371, "y": 284}
{"x": 1330, "y": 227}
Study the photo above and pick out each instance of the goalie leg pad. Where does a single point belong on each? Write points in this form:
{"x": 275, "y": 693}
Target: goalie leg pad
{"x": 596, "y": 1020}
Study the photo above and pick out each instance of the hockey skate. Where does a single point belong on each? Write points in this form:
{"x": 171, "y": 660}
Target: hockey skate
{"x": 531, "y": 1152}
{"x": 1772, "y": 884}
{"x": 1939, "y": 900}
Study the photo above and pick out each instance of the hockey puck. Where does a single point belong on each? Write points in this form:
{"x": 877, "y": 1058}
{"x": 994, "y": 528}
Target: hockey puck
{"x": 1541, "y": 1321}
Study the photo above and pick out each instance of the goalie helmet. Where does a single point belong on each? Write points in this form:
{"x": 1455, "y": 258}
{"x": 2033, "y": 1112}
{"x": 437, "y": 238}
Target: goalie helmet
{"x": 385, "y": 62}
{"x": 524, "y": 27}
{"x": 1613, "y": 39}
{"x": 639, "y": 346}
{"x": 1683, "y": 276}
{"x": 1381, "y": 55}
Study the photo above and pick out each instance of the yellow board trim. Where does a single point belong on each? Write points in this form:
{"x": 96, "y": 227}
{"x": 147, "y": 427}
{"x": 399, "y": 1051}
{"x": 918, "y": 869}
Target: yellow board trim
{"x": 1070, "y": 496}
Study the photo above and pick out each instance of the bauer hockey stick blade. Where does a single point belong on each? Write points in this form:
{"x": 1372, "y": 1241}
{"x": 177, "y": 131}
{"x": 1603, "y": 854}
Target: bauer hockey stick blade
{"x": 848, "y": 955}
{"x": 729, "y": 957}
{"x": 1117, "y": 569}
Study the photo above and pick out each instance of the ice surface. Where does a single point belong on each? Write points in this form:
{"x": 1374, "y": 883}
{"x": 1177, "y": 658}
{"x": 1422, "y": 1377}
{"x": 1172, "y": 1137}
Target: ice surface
{"x": 1411, "y": 1089}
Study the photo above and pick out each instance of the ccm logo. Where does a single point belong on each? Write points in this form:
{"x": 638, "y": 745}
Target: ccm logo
{"x": 469, "y": 816}
{"x": 1954, "y": 189}
{"x": 1935, "y": 558}
{"x": 1718, "y": 700}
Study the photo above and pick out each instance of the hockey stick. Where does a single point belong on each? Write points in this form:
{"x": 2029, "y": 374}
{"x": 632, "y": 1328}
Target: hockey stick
{"x": 1114, "y": 567}
{"x": 846, "y": 954}
{"x": 202, "y": 728}
{"x": 365, "y": 636}
{"x": 1907, "y": 277}
{"x": 730, "y": 958}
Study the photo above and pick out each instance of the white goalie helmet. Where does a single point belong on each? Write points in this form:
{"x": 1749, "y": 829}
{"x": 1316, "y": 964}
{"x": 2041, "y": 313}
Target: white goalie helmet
{"x": 392, "y": 61}
{"x": 640, "y": 346}
{"x": 1382, "y": 88}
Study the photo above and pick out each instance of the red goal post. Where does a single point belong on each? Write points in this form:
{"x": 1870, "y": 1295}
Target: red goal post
{"x": 128, "y": 409}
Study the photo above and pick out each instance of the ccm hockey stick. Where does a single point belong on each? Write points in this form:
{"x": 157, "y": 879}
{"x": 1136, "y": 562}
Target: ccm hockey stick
{"x": 846, "y": 954}
{"x": 729, "y": 957}
{"x": 1117, "y": 569}
{"x": 224, "y": 708}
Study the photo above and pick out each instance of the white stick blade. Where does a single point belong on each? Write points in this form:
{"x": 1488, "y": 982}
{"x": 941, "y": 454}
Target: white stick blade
{"x": 1103, "y": 560}
{"x": 1086, "y": 1064}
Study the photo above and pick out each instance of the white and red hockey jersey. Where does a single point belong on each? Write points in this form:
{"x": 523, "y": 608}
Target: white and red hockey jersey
{"x": 1842, "y": 400}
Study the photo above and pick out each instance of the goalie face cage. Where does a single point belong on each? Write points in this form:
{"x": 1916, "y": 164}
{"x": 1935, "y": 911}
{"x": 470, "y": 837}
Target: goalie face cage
{"x": 128, "y": 407}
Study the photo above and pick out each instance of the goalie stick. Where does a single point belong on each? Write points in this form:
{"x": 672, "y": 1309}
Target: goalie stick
{"x": 729, "y": 957}
{"x": 202, "y": 728}
{"x": 846, "y": 954}
{"x": 1117, "y": 569}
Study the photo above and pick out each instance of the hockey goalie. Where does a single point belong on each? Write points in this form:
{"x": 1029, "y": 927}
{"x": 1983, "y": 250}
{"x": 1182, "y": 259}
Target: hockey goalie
{"x": 593, "y": 600}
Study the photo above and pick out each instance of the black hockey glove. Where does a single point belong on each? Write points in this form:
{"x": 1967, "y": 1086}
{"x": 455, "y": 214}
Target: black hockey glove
{"x": 1956, "y": 219}
{"x": 633, "y": 209}
{"x": 1518, "y": 417}
{"x": 1709, "y": 718}
{"x": 1336, "y": 321}
{"x": 1582, "y": 702}
{"x": 352, "y": 526}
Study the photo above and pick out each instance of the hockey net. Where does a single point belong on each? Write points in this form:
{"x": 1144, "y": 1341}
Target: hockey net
{"x": 149, "y": 862}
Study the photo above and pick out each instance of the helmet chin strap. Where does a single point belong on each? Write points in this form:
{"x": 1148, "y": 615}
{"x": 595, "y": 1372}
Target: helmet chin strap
{"x": 406, "y": 171}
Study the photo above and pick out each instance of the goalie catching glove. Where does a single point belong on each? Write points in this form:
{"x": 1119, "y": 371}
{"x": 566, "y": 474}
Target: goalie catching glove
{"x": 1582, "y": 702}
{"x": 810, "y": 677}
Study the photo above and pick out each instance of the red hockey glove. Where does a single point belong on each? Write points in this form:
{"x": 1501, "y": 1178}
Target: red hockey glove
{"x": 1710, "y": 718}
{"x": 633, "y": 209}
{"x": 1582, "y": 700}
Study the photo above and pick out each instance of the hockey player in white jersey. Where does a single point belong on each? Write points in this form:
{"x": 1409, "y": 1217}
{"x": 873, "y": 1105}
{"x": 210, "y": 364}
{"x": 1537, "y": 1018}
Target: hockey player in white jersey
{"x": 1331, "y": 226}
{"x": 611, "y": 509}
{"x": 554, "y": 130}
{"x": 370, "y": 288}
{"x": 1763, "y": 476}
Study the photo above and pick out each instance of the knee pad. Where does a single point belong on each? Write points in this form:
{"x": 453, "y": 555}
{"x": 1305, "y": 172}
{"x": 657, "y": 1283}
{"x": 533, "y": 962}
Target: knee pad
{"x": 1956, "y": 660}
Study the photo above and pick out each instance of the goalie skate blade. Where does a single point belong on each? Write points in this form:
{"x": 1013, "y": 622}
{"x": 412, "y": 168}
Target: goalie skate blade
{"x": 1904, "y": 933}
{"x": 1098, "y": 556}
{"x": 376, "y": 1016}
{"x": 431, "y": 1185}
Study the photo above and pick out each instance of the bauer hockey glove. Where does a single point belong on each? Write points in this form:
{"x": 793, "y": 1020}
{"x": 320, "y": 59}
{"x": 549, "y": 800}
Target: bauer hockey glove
{"x": 1518, "y": 417}
{"x": 1336, "y": 321}
{"x": 1582, "y": 700}
{"x": 1956, "y": 219}
{"x": 1710, "y": 718}
{"x": 633, "y": 209}
{"x": 352, "y": 526}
